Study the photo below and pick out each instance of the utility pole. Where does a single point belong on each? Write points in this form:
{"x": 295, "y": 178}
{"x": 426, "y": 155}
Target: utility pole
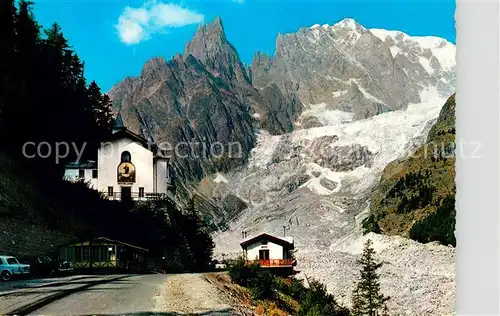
{"x": 284, "y": 231}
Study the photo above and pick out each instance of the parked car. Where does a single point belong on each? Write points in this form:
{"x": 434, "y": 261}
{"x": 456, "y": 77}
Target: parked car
{"x": 10, "y": 267}
{"x": 45, "y": 265}
{"x": 216, "y": 265}
{"x": 220, "y": 266}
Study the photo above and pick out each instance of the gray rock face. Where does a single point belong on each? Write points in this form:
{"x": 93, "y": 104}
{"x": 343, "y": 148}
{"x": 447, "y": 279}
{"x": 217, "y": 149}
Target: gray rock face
{"x": 351, "y": 68}
{"x": 330, "y": 64}
{"x": 200, "y": 98}
{"x": 210, "y": 46}
{"x": 426, "y": 60}
{"x": 179, "y": 103}
{"x": 344, "y": 158}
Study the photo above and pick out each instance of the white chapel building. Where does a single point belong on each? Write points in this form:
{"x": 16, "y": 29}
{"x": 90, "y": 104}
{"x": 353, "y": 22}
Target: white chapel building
{"x": 128, "y": 167}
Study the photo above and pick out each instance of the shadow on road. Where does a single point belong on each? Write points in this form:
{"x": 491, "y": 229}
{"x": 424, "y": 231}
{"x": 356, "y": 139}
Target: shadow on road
{"x": 46, "y": 289}
{"x": 221, "y": 312}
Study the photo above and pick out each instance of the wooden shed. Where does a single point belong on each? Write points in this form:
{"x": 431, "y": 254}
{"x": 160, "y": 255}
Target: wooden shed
{"x": 105, "y": 254}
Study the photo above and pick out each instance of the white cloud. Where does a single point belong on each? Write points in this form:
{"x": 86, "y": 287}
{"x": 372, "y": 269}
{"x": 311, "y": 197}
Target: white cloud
{"x": 138, "y": 24}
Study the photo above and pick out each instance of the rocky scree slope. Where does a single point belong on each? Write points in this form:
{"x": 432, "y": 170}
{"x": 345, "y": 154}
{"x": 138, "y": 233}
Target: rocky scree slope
{"x": 317, "y": 182}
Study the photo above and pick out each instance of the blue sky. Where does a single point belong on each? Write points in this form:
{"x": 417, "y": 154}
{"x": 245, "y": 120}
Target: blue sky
{"x": 116, "y": 37}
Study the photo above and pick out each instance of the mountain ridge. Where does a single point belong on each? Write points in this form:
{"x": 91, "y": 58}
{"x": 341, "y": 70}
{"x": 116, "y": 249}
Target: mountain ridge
{"x": 322, "y": 118}
{"x": 209, "y": 95}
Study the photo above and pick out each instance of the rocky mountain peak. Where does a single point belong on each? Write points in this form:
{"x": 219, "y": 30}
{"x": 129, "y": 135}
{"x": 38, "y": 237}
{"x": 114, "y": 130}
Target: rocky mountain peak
{"x": 152, "y": 65}
{"x": 208, "y": 39}
{"x": 216, "y": 25}
{"x": 349, "y": 23}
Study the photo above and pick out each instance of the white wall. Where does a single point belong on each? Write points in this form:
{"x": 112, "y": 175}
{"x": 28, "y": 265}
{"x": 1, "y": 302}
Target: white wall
{"x": 161, "y": 175}
{"x": 108, "y": 159}
{"x": 73, "y": 175}
{"x": 275, "y": 250}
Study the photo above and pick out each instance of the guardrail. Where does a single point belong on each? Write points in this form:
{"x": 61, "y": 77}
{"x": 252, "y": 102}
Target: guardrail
{"x": 134, "y": 196}
{"x": 272, "y": 262}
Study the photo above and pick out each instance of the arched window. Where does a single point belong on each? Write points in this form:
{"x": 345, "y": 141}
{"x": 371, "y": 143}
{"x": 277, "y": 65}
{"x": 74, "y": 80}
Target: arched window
{"x": 126, "y": 157}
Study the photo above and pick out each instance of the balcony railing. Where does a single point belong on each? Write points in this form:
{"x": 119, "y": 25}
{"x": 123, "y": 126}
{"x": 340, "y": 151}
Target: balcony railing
{"x": 134, "y": 196}
{"x": 272, "y": 262}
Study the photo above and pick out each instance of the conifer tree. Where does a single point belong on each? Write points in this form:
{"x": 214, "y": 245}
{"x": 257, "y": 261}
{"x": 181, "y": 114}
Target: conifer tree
{"x": 369, "y": 299}
{"x": 101, "y": 106}
{"x": 199, "y": 240}
{"x": 8, "y": 13}
{"x": 356, "y": 309}
{"x": 385, "y": 311}
{"x": 25, "y": 78}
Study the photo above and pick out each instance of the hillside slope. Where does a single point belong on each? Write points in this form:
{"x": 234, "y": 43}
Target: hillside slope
{"x": 415, "y": 196}
{"x": 26, "y": 224}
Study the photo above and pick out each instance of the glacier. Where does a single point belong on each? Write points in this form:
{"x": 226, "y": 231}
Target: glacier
{"x": 315, "y": 182}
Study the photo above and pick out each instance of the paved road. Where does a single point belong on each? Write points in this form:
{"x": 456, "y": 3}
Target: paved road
{"x": 13, "y": 300}
{"x": 29, "y": 283}
{"x": 143, "y": 295}
{"x": 134, "y": 295}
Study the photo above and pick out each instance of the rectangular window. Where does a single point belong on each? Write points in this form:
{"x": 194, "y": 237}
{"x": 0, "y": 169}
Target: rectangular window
{"x": 86, "y": 253}
{"x": 78, "y": 253}
{"x": 94, "y": 174}
{"x": 81, "y": 173}
{"x": 264, "y": 241}
{"x": 110, "y": 191}
{"x": 141, "y": 192}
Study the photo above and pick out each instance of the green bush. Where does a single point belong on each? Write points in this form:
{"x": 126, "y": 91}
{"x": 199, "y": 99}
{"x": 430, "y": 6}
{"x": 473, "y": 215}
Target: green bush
{"x": 243, "y": 274}
{"x": 296, "y": 289}
{"x": 370, "y": 225}
{"x": 316, "y": 301}
{"x": 313, "y": 300}
{"x": 262, "y": 287}
{"x": 439, "y": 226}
{"x": 280, "y": 285}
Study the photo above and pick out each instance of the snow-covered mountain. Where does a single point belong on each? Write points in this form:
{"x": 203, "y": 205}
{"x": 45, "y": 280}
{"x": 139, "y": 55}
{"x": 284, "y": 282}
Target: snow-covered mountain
{"x": 316, "y": 181}
{"x": 332, "y": 107}
{"x": 355, "y": 69}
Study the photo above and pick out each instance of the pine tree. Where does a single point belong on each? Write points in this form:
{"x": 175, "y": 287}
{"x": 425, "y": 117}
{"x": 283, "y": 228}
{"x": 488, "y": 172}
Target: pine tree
{"x": 385, "y": 311}
{"x": 8, "y": 14}
{"x": 43, "y": 89}
{"x": 23, "y": 79}
{"x": 101, "y": 106}
{"x": 199, "y": 240}
{"x": 368, "y": 287}
{"x": 55, "y": 38}
{"x": 356, "y": 309}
